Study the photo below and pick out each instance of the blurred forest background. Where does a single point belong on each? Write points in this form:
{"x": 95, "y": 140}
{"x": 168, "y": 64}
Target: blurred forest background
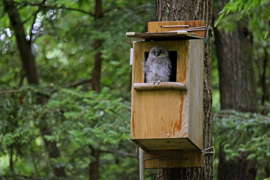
{"x": 65, "y": 85}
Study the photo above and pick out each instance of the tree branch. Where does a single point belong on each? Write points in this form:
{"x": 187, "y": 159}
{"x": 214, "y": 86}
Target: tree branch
{"x": 45, "y": 95}
{"x": 32, "y": 26}
{"x": 23, "y": 22}
{"x": 34, "y": 20}
{"x": 22, "y": 78}
{"x": 92, "y": 148}
{"x": 122, "y": 153}
{"x": 19, "y": 176}
{"x": 9, "y": 91}
{"x": 42, "y": 6}
{"x": 80, "y": 83}
{"x": 107, "y": 11}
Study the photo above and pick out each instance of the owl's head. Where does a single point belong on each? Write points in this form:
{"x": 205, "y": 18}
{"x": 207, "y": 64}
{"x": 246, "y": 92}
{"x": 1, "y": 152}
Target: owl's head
{"x": 159, "y": 51}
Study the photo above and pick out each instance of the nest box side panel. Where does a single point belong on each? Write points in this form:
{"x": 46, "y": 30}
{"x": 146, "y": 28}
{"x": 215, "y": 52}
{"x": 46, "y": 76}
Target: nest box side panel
{"x": 159, "y": 114}
{"x": 195, "y": 132}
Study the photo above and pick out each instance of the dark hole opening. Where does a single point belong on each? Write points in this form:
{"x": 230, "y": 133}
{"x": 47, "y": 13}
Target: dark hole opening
{"x": 173, "y": 59}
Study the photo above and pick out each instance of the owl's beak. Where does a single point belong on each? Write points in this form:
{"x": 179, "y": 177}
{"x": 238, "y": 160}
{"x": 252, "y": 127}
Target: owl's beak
{"x": 157, "y": 53}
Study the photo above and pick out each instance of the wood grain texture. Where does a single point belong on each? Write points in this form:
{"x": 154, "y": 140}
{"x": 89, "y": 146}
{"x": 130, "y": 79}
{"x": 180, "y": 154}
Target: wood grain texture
{"x": 172, "y": 159}
{"x": 154, "y": 27}
{"x": 166, "y": 143}
{"x": 196, "y": 55}
{"x": 178, "y": 35}
{"x": 182, "y": 11}
{"x": 160, "y": 86}
{"x": 168, "y": 115}
{"x": 159, "y": 112}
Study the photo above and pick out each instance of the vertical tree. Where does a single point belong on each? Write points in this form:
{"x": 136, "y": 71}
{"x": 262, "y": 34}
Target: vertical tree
{"x": 28, "y": 62}
{"x": 237, "y": 87}
{"x": 97, "y": 46}
{"x": 172, "y": 10}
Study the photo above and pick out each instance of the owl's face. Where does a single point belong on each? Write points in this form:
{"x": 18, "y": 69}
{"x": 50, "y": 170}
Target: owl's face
{"x": 159, "y": 51}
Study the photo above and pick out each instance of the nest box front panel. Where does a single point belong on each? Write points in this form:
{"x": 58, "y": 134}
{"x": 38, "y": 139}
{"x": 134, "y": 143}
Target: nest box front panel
{"x": 168, "y": 118}
{"x": 159, "y": 113}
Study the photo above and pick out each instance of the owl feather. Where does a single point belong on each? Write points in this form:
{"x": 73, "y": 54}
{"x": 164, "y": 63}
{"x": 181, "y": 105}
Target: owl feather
{"x": 157, "y": 66}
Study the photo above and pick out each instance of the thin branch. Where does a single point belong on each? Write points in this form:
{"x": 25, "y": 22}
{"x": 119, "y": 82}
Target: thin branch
{"x": 42, "y": 6}
{"x": 23, "y": 22}
{"x": 9, "y": 91}
{"x": 21, "y": 80}
{"x": 107, "y": 11}
{"x": 122, "y": 153}
{"x": 79, "y": 10}
{"x": 19, "y": 176}
{"x": 34, "y": 20}
{"x": 80, "y": 83}
{"x": 92, "y": 148}
{"x": 45, "y": 95}
{"x": 32, "y": 26}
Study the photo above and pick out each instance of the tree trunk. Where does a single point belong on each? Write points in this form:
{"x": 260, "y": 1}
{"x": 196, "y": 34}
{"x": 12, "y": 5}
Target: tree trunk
{"x": 265, "y": 86}
{"x": 27, "y": 58}
{"x": 237, "y": 88}
{"x": 96, "y": 71}
{"x": 267, "y": 171}
{"x": 29, "y": 66}
{"x": 94, "y": 166}
{"x": 53, "y": 150}
{"x": 97, "y": 46}
{"x": 97, "y": 66}
{"x": 192, "y": 10}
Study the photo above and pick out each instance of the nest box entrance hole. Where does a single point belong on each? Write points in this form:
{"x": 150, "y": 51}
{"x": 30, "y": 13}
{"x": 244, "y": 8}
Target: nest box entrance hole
{"x": 173, "y": 59}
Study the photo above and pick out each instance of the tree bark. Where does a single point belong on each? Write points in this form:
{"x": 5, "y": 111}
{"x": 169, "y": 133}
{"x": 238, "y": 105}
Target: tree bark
{"x": 96, "y": 71}
{"x": 27, "y": 58}
{"x": 97, "y": 46}
{"x": 94, "y": 165}
{"x": 29, "y": 66}
{"x": 237, "y": 88}
{"x": 53, "y": 150}
{"x": 265, "y": 86}
{"x": 97, "y": 66}
{"x": 177, "y": 10}
{"x": 267, "y": 171}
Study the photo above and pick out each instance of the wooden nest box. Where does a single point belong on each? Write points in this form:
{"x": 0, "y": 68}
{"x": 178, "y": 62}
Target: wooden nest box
{"x": 167, "y": 118}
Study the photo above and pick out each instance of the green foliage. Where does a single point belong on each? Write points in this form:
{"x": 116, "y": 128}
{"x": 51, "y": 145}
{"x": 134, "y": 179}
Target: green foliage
{"x": 240, "y": 132}
{"x": 78, "y": 119}
{"x": 63, "y": 43}
{"x": 243, "y": 133}
{"x": 236, "y": 9}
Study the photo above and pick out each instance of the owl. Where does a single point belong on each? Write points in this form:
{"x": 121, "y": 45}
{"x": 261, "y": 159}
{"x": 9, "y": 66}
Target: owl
{"x": 157, "y": 66}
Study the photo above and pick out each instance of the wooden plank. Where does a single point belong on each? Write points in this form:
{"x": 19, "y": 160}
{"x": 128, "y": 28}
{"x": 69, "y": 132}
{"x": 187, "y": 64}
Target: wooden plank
{"x": 161, "y": 85}
{"x": 196, "y": 56}
{"x": 178, "y": 35}
{"x": 172, "y": 159}
{"x": 155, "y": 27}
{"x": 159, "y": 112}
